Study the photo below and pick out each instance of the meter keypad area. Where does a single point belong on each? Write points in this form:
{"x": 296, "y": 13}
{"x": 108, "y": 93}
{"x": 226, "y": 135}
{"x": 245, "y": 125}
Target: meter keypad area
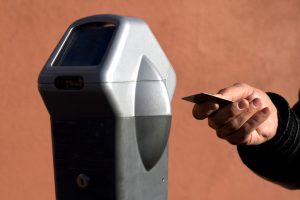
{"x": 84, "y": 158}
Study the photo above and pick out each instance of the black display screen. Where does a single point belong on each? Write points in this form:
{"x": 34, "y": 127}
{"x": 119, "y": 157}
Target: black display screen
{"x": 86, "y": 45}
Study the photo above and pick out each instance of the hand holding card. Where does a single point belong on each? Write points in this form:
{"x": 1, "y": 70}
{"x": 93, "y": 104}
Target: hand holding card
{"x": 249, "y": 119}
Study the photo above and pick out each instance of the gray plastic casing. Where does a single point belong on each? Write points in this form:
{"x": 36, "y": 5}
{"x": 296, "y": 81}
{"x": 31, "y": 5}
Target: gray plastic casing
{"x": 133, "y": 85}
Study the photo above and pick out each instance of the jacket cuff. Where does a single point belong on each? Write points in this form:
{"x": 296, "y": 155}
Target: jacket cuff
{"x": 272, "y": 159}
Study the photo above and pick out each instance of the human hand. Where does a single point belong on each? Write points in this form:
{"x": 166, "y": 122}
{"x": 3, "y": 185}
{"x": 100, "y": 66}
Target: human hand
{"x": 250, "y": 120}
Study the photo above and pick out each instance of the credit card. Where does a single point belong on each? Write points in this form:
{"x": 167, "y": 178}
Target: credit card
{"x": 205, "y": 97}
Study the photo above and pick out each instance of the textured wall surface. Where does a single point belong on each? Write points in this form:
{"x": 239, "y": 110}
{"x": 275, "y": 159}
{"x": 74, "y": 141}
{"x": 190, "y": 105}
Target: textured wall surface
{"x": 211, "y": 44}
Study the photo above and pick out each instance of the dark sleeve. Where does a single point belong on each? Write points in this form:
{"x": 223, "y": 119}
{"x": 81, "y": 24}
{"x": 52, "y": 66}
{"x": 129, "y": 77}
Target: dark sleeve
{"x": 278, "y": 160}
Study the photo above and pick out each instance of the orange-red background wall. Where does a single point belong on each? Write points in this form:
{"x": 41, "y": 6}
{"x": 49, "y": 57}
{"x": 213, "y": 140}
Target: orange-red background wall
{"x": 211, "y": 44}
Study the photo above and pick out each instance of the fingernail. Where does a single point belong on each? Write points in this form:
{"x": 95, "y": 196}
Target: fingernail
{"x": 242, "y": 105}
{"x": 209, "y": 112}
{"x": 256, "y": 103}
{"x": 212, "y": 109}
{"x": 265, "y": 111}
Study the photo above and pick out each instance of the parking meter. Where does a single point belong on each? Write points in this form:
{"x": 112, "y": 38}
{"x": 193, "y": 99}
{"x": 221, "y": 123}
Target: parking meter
{"x": 108, "y": 87}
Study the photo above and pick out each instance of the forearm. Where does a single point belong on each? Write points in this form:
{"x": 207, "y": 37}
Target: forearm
{"x": 278, "y": 160}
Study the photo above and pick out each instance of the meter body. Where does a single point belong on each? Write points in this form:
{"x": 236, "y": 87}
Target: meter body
{"x": 108, "y": 87}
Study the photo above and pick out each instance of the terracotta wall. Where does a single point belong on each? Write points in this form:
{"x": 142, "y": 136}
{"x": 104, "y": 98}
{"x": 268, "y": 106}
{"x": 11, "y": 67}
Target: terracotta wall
{"x": 211, "y": 44}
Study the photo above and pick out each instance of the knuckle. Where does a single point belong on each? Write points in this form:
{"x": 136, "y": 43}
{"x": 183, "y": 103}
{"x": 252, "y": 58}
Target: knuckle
{"x": 233, "y": 125}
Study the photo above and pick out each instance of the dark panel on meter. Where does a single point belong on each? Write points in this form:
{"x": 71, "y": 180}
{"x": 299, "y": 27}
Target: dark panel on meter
{"x": 86, "y": 46}
{"x": 84, "y": 158}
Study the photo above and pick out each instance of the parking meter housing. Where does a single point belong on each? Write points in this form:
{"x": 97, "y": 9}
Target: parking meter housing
{"x": 108, "y": 87}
